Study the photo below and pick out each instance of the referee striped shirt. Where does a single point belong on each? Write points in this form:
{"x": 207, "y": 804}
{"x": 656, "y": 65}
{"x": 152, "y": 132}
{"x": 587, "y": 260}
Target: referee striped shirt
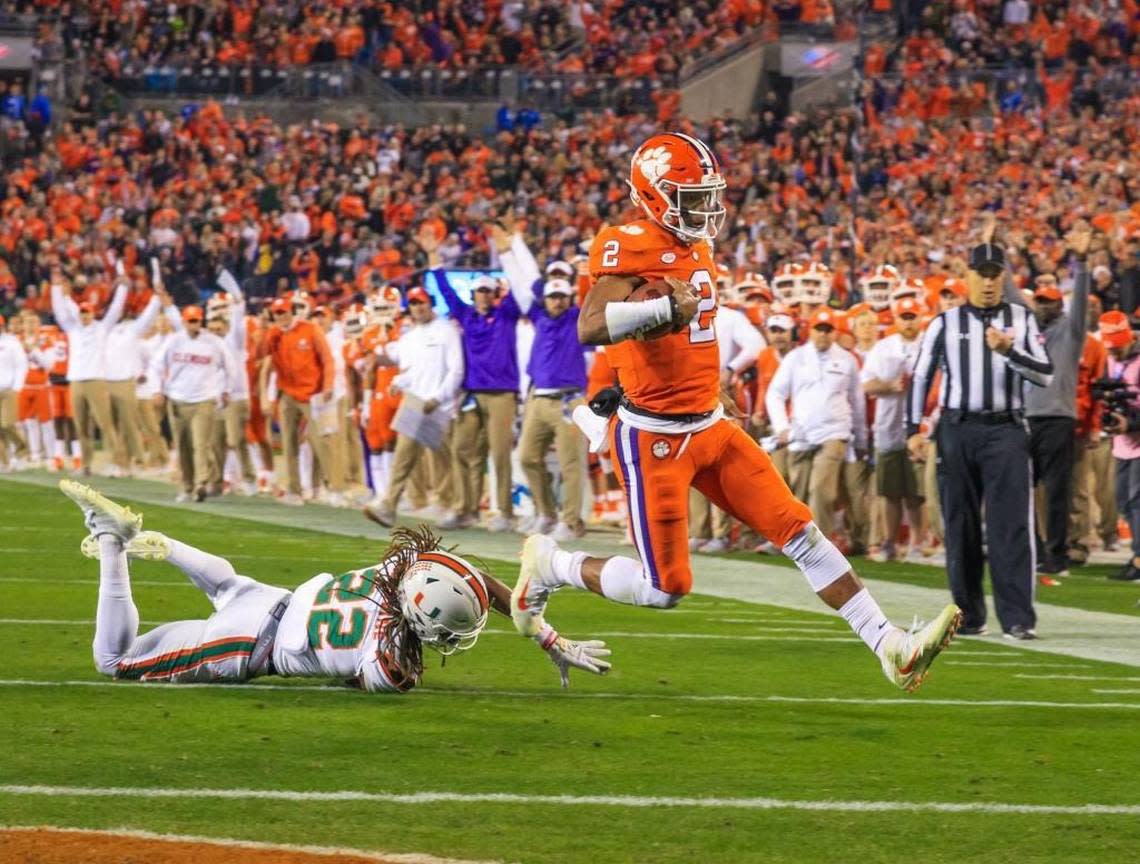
{"x": 974, "y": 377}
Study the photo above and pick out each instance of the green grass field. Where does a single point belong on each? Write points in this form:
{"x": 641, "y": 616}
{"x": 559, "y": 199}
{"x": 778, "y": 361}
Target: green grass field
{"x": 781, "y": 716}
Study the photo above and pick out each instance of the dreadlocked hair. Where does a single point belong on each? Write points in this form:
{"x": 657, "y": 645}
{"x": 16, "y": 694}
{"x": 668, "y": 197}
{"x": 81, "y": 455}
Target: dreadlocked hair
{"x": 405, "y": 666}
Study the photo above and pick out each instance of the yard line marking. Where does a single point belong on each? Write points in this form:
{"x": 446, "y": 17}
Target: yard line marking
{"x": 637, "y": 801}
{"x": 135, "y": 687}
{"x": 95, "y": 582}
{"x": 126, "y": 833}
{"x": 1132, "y": 691}
{"x": 56, "y": 622}
{"x": 1076, "y": 677}
{"x": 1016, "y": 664}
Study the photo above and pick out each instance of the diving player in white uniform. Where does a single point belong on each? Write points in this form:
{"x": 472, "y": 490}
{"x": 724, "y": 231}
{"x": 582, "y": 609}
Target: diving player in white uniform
{"x": 367, "y": 626}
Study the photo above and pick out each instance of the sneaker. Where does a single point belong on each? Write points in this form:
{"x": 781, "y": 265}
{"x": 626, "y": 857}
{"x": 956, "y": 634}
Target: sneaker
{"x": 183, "y": 497}
{"x": 1110, "y": 546}
{"x": 101, "y": 514}
{"x": 1052, "y": 569}
{"x": 883, "y": 554}
{"x": 695, "y": 543}
{"x": 244, "y": 489}
{"x": 767, "y": 547}
{"x": 453, "y": 521}
{"x": 563, "y": 533}
{"x": 380, "y": 516}
{"x": 290, "y": 499}
{"x": 1020, "y": 633}
{"x": 1078, "y": 554}
{"x": 535, "y": 584}
{"x": 972, "y": 630}
{"x": 1128, "y": 573}
{"x": 56, "y": 464}
{"x": 200, "y": 494}
{"x": 147, "y": 545}
{"x": 714, "y": 546}
{"x": 536, "y": 525}
{"x": 914, "y": 555}
{"x": 856, "y": 550}
{"x": 907, "y": 655}
{"x": 499, "y": 524}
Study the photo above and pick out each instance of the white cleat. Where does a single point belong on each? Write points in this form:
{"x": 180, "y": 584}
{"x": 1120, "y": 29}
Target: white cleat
{"x": 714, "y": 546}
{"x": 147, "y": 545}
{"x": 101, "y": 514}
{"x": 535, "y": 584}
{"x": 907, "y": 655}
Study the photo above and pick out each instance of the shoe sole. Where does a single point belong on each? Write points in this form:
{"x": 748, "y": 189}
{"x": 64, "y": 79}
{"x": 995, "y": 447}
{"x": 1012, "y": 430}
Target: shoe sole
{"x": 951, "y": 618}
{"x": 87, "y": 498}
{"x": 374, "y": 515}
{"x": 525, "y": 621}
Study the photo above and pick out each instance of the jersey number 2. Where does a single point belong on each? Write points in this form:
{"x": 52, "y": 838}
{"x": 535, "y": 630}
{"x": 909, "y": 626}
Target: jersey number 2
{"x": 701, "y": 328}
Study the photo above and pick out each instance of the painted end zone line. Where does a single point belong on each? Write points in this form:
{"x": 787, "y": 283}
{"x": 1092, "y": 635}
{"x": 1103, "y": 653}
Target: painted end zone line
{"x": 330, "y": 851}
{"x": 640, "y": 801}
{"x": 900, "y": 702}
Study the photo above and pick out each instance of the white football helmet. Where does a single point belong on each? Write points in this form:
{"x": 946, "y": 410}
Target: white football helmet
{"x": 218, "y": 306}
{"x": 815, "y": 284}
{"x": 754, "y": 288}
{"x": 444, "y": 601}
{"x": 726, "y": 293}
{"x": 878, "y": 285}
{"x": 912, "y": 287}
{"x": 384, "y": 305}
{"x": 355, "y": 320}
{"x": 786, "y": 283}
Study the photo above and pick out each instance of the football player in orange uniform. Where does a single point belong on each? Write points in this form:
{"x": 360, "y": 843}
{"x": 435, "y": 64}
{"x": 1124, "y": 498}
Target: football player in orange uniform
{"x": 35, "y": 399}
{"x": 669, "y": 431}
{"x": 378, "y": 404}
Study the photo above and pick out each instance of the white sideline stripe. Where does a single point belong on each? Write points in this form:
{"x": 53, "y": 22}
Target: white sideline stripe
{"x": 95, "y": 582}
{"x": 639, "y": 801}
{"x": 129, "y": 833}
{"x": 74, "y": 622}
{"x": 1076, "y": 677}
{"x": 137, "y": 687}
{"x": 1132, "y": 691}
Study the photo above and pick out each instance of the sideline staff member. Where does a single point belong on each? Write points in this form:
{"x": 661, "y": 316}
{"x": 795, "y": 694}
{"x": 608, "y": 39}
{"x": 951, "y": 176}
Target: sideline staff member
{"x": 986, "y": 350}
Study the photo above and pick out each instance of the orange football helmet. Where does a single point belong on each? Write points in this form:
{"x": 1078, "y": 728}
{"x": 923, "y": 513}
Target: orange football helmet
{"x": 786, "y": 283}
{"x": 877, "y": 286}
{"x": 912, "y": 287}
{"x": 815, "y": 284}
{"x": 676, "y": 180}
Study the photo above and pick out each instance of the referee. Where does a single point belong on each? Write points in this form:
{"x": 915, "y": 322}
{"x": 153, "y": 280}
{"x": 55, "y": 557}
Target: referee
{"x": 987, "y": 350}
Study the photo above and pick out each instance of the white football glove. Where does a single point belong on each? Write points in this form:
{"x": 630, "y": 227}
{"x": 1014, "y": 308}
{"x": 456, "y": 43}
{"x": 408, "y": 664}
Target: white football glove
{"x": 564, "y": 653}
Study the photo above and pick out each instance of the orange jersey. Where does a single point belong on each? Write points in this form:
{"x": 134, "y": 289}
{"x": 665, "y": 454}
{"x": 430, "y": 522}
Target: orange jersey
{"x": 302, "y": 359}
{"x": 678, "y": 373}
{"x": 37, "y": 376}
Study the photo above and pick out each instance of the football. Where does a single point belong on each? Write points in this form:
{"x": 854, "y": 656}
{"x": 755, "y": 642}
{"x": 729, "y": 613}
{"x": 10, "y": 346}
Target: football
{"x": 650, "y": 291}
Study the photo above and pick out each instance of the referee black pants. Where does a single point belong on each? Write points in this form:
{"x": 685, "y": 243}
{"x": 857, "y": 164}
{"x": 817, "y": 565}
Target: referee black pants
{"x": 1051, "y": 443}
{"x": 979, "y": 462}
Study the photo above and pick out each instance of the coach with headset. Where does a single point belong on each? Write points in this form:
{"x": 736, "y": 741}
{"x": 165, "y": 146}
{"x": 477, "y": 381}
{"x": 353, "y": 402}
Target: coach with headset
{"x": 987, "y": 351}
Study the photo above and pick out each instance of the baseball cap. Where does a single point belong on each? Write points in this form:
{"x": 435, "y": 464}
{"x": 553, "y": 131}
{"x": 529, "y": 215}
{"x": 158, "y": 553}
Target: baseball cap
{"x": 564, "y": 268}
{"x": 908, "y": 306}
{"x": 860, "y": 309}
{"x": 781, "y": 321}
{"x": 192, "y": 313}
{"x": 418, "y": 295}
{"x": 556, "y": 286}
{"x": 1115, "y": 329}
{"x": 280, "y": 304}
{"x": 954, "y": 286}
{"x": 1047, "y": 292}
{"x": 987, "y": 256}
{"x": 824, "y": 315}
{"x": 485, "y": 283}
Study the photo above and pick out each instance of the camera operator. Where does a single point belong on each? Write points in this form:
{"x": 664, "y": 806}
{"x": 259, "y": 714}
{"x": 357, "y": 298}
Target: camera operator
{"x": 1123, "y": 421}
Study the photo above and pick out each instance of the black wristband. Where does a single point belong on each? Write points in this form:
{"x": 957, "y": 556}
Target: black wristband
{"x": 675, "y": 310}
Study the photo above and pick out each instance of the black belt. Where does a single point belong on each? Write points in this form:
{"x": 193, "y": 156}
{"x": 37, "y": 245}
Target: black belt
{"x": 558, "y": 394}
{"x": 671, "y": 418}
{"x": 987, "y": 418}
{"x": 261, "y": 657}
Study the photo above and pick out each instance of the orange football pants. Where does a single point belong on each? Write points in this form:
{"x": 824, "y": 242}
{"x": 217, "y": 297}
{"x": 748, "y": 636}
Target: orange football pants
{"x": 34, "y": 404}
{"x": 60, "y": 402}
{"x": 725, "y": 465}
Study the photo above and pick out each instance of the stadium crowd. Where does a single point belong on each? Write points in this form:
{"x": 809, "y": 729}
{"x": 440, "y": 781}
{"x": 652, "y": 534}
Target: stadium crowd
{"x": 210, "y": 286}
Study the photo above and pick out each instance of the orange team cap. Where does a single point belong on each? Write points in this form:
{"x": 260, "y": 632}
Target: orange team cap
{"x": 955, "y": 286}
{"x": 823, "y": 315}
{"x": 908, "y": 306}
{"x": 860, "y": 309}
{"x": 280, "y": 304}
{"x": 192, "y": 313}
{"x": 1115, "y": 329}
{"x": 1047, "y": 292}
{"x": 418, "y": 295}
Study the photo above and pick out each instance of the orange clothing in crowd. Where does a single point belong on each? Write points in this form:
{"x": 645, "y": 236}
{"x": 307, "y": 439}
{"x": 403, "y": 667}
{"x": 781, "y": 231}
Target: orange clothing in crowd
{"x": 302, "y": 360}
{"x": 1094, "y": 360}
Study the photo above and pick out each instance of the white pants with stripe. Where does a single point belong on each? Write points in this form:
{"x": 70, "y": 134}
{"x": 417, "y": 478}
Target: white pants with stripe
{"x": 215, "y": 649}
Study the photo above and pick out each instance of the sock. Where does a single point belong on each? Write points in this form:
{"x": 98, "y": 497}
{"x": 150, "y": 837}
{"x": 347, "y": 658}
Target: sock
{"x": 116, "y": 618}
{"x": 258, "y": 464}
{"x": 305, "y": 467}
{"x": 567, "y": 567}
{"x": 623, "y": 580}
{"x": 76, "y": 450}
{"x": 47, "y": 434}
{"x": 213, "y": 575}
{"x": 60, "y": 448}
{"x": 32, "y": 433}
{"x": 867, "y": 620}
{"x": 232, "y": 471}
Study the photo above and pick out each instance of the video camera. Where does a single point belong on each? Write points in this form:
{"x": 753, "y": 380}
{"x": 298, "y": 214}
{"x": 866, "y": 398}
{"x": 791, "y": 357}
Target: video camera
{"x": 1118, "y": 397}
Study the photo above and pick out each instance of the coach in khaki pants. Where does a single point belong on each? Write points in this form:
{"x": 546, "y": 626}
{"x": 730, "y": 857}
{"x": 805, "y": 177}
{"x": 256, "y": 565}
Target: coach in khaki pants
{"x": 87, "y": 363}
{"x": 193, "y": 372}
{"x": 829, "y": 411}
{"x": 299, "y": 355}
{"x": 124, "y": 368}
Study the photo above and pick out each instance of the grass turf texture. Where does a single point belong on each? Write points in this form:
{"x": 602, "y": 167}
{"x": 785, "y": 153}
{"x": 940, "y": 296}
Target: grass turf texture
{"x": 460, "y": 735}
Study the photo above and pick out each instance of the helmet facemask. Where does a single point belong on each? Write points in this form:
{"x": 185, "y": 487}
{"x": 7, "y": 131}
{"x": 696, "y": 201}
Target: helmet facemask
{"x": 878, "y": 294}
{"x": 696, "y": 211}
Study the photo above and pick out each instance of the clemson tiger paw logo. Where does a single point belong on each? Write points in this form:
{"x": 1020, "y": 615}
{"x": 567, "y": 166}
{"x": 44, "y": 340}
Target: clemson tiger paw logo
{"x": 654, "y": 163}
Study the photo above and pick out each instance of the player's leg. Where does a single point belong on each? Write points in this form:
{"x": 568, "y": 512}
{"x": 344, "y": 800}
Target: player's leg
{"x": 738, "y": 476}
{"x": 655, "y": 472}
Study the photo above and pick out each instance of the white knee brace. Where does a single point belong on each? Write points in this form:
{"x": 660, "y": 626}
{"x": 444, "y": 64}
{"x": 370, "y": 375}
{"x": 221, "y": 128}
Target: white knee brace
{"x": 817, "y": 557}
